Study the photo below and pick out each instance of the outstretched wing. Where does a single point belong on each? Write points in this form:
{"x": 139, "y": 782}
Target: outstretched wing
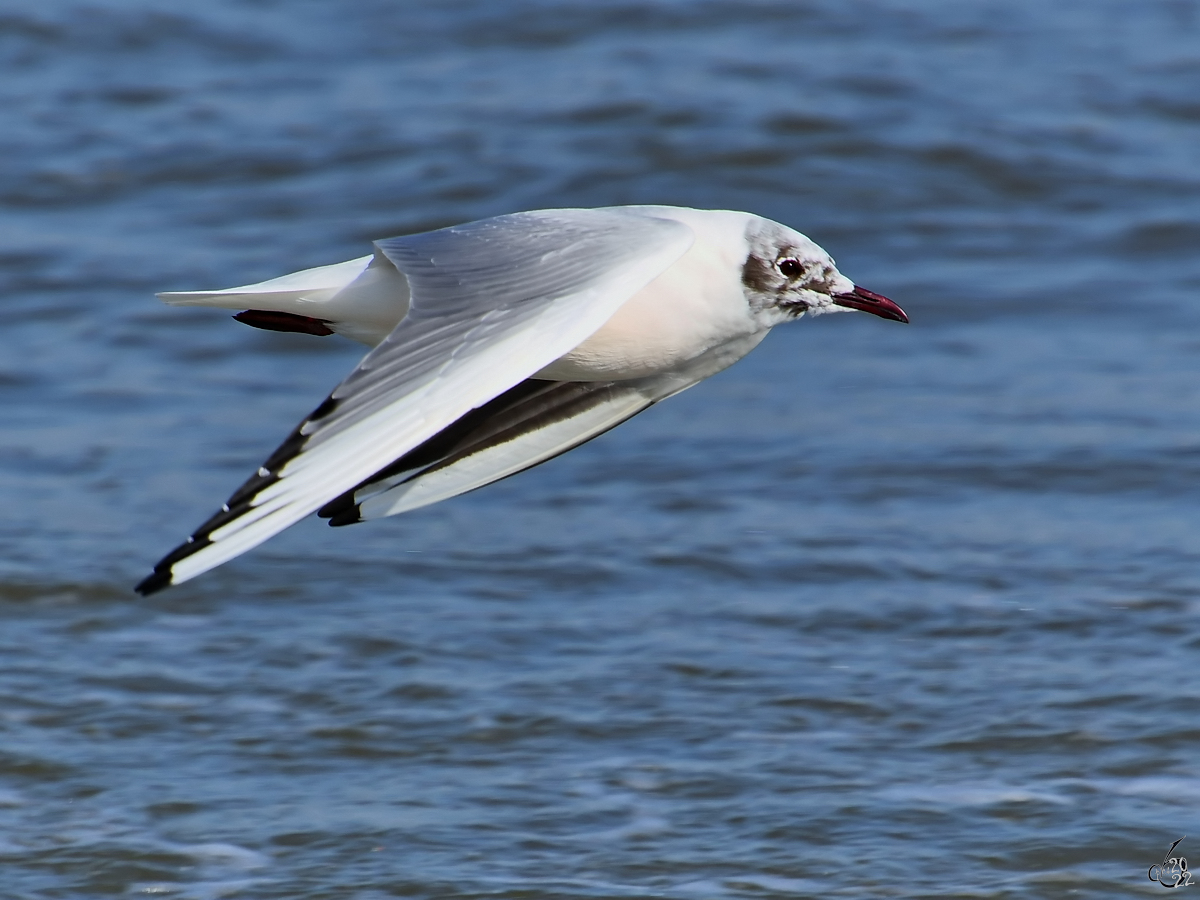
{"x": 526, "y": 425}
{"x": 492, "y": 303}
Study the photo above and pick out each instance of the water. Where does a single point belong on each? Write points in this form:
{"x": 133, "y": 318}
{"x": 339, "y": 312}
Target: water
{"x": 880, "y": 611}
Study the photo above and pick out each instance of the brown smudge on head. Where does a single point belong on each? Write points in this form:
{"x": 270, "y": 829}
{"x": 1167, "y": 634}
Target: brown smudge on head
{"x": 759, "y": 274}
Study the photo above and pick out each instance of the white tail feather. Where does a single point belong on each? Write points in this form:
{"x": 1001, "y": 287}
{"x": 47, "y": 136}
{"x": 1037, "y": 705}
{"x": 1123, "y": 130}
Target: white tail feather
{"x": 363, "y": 299}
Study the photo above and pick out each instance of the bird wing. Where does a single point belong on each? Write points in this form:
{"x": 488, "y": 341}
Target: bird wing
{"x": 526, "y": 425}
{"x": 492, "y": 303}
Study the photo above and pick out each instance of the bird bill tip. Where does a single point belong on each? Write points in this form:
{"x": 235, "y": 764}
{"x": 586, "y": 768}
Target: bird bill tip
{"x": 870, "y": 302}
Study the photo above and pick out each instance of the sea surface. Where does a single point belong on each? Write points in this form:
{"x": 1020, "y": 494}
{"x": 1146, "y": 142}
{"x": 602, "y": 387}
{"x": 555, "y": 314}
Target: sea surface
{"x": 881, "y": 611}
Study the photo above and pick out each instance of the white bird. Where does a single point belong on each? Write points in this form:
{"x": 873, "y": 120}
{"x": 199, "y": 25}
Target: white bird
{"x": 502, "y": 343}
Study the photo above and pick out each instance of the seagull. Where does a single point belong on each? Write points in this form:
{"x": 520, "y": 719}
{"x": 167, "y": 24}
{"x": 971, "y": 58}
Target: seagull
{"x": 499, "y": 344}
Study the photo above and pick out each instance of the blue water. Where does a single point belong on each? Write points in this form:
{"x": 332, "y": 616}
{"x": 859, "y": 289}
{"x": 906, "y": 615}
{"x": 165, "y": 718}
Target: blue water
{"x": 881, "y": 611}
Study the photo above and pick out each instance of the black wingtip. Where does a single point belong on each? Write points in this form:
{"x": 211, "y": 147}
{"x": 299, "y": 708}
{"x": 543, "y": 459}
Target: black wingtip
{"x": 338, "y": 505}
{"x": 345, "y": 517}
{"x": 154, "y": 582}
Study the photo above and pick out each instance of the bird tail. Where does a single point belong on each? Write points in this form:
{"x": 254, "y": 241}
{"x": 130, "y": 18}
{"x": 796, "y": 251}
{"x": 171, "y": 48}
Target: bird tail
{"x": 363, "y": 299}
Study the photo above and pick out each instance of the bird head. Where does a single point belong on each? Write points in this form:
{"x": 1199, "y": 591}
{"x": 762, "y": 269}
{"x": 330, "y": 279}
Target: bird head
{"x": 786, "y": 275}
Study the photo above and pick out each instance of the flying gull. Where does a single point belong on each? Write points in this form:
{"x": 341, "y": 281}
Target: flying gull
{"x": 499, "y": 344}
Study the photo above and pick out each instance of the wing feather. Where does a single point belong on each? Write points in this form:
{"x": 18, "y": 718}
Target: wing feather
{"x": 523, "y": 427}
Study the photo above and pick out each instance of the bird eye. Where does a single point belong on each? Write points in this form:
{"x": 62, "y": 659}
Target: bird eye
{"x": 790, "y": 267}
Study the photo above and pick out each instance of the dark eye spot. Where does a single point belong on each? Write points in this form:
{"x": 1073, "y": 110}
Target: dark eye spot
{"x": 790, "y": 267}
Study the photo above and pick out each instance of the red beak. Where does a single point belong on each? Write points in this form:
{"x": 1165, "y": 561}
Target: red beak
{"x": 869, "y": 301}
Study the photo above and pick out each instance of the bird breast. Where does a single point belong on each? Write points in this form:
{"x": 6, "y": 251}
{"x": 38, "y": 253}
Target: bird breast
{"x": 695, "y": 305}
